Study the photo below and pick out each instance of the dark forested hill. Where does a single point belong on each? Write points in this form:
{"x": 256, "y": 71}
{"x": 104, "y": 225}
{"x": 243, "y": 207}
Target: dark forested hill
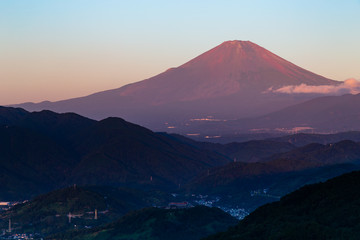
{"x": 31, "y": 163}
{"x": 250, "y": 185}
{"x": 44, "y": 150}
{"x": 116, "y": 151}
{"x": 329, "y": 210}
{"x": 307, "y": 157}
{"x": 248, "y": 151}
{"x": 74, "y": 207}
{"x": 160, "y": 224}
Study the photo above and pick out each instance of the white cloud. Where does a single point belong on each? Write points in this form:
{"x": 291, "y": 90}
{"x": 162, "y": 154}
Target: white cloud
{"x": 348, "y": 86}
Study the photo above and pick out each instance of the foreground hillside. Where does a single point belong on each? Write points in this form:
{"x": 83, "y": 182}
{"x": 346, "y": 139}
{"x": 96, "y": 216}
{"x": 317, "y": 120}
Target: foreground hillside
{"x": 31, "y": 163}
{"x": 160, "y": 224}
{"x": 329, "y": 210}
{"x": 74, "y": 207}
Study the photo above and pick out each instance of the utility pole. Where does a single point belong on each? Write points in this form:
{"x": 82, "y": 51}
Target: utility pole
{"x": 9, "y": 225}
{"x": 96, "y": 214}
{"x": 69, "y": 216}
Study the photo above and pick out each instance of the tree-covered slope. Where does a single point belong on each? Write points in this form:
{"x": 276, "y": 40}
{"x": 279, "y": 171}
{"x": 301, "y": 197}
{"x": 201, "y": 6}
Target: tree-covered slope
{"x": 31, "y": 163}
{"x": 249, "y": 151}
{"x": 307, "y": 157}
{"x": 115, "y": 151}
{"x": 329, "y": 210}
{"x": 49, "y": 213}
{"x": 160, "y": 224}
{"x": 42, "y": 151}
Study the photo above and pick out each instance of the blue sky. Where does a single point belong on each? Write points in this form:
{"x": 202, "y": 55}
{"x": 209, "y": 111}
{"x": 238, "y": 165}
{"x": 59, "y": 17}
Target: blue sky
{"x": 51, "y": 50}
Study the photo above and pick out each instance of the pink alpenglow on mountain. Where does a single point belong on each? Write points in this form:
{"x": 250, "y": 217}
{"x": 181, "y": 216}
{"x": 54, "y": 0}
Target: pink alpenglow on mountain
{"x": 229, "y": 81}
{"x": 230, "y": 68}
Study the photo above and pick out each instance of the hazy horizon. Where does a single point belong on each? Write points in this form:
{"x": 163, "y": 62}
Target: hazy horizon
{"x": 73, "y": 49}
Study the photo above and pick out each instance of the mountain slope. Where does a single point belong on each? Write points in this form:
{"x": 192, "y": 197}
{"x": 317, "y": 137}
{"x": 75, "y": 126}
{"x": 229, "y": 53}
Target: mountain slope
{"x": 160, "y": 224}
{"x": 60, "y": 127}
{"x": 324, "y": 114}
{"x": 336, "y": 113}
{"x": 307, "y": 157}
{"x": 249, "y": 185}
{"x": 250, "y": 151}
{"x": 302, "y": 139}
{"x": 327, "y": 210}
{"x": 44, "y": 150}
{"x": 227, "y": 82}
{"x": 49, "y": 213}
{"x": 116, "y": 151}
{"x": 31, "y": 163}
{"x": 232, "y": 67}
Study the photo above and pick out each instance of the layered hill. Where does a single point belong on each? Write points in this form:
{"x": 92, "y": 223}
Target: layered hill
{"x": 324, "y": 114}
{"x": 115, "y": 151}
{"x": 249, "y": 151}
{"x": 161, "y": 224}
{"x": 253, "y": 184}
{"x": 327, "y": 210}
{"x": 310, "y": 156}
{"x": 75, "y": 207}
{"x": 31, "y": 163}
{"x": 229, "y": 81}
{"x": 302, "y": 139}
{"x": 330, "y": 114}
{"x": 44, "y": 150}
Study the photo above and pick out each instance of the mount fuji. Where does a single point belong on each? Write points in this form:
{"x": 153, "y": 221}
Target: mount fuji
{"x": 230, "y": 81}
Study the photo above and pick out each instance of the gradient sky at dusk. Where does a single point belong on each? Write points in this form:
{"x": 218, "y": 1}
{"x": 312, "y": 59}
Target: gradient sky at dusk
{"x": 52, "y": 50}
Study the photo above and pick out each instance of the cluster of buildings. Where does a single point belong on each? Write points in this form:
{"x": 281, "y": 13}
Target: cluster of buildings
{"x": 208, "y": 201}
{"x": 238, "y": 213}
{"x": 21, "y": 236}
{"x": 7, "y": 205}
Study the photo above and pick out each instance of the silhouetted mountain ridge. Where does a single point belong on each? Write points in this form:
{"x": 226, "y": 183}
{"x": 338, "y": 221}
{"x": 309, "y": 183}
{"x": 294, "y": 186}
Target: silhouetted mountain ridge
{"x": 45, "y": 150}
